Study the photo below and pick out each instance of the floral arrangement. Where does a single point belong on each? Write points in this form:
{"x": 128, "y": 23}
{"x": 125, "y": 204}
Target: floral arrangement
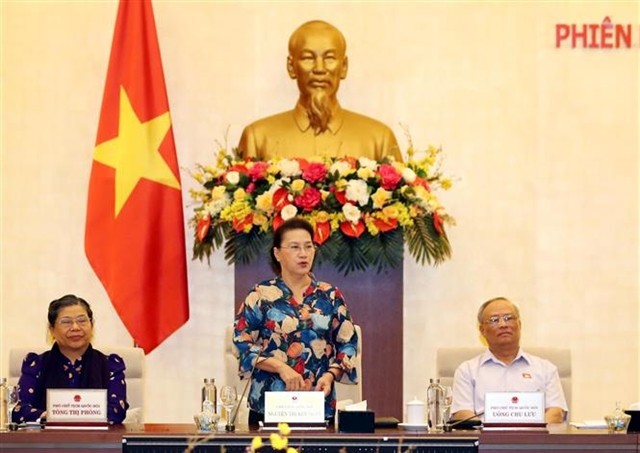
{"x": 362, "y": 211}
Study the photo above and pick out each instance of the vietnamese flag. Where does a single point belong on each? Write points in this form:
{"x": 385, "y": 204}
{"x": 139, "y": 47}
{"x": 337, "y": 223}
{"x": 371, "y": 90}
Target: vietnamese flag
{"x": 134, "y": 236}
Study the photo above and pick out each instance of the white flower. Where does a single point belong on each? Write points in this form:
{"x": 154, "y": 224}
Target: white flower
{"x": 289, "y": 167}
{"x": 408, "y": 175}
{"x": 343, "y": 168}
{"x": 288, "y": 212}
{"x": 368, "y": 163}
{"x": 358, "y": 191}
{"x": 351, "y": 213}
{"x": 214, "y": 206}
{"x": 233, "y": 177}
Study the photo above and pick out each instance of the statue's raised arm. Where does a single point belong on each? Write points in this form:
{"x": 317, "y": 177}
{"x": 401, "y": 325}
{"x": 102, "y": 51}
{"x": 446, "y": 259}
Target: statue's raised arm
{"x": 318, "y": 125}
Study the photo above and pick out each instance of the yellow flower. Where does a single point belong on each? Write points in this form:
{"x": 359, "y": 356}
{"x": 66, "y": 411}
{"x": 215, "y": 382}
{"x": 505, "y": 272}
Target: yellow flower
{"x": 297, "y": 185}
{"x": 218, "y": 192}
{"x": 341, "y": 184}
{"x": 239, "y": 194}
{"x": 291, "y": 450}
{"x": 259, "y": 219}
{"x": 445, "y": 183}
{"x": 390, "y": 212}
{"x": 278, "y": 442}
{"x": 264, "y": 202}
{"x": 284, "y": 429}
{"x": 256, "y": 443}
{"x": 322, "y": 216}
{"x": 380, "y": 197}
{"x": 365, "y": 173}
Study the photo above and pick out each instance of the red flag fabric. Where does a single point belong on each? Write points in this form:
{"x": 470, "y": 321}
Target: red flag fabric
{"x": 134, "y": 237}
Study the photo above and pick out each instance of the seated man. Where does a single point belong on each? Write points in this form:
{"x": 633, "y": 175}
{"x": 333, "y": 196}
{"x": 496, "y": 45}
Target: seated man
{"x": 505, "y": 366}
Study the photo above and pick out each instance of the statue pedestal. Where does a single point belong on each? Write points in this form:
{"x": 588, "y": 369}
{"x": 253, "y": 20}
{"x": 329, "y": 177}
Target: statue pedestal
{"x": 376, "y": 304}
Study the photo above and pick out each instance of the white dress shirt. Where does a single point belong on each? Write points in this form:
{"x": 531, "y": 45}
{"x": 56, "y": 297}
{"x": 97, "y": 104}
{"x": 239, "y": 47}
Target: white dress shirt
{"x": 485, "y": 373}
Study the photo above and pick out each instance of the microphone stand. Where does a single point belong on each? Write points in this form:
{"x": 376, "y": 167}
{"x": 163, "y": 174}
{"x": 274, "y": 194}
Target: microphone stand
{"x": 448, "y": 427}
{"x": 234, "y": 413}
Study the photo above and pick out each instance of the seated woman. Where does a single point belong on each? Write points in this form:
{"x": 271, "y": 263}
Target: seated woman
{"x": 297, "y": 328}
{"x": 71, "y": 363}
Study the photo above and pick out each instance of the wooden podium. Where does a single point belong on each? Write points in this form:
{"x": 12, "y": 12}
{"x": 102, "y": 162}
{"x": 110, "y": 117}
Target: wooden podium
{"x": 376, "y": 304}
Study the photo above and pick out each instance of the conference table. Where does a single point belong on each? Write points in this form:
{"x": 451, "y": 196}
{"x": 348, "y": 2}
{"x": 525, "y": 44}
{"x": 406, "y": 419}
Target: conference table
{"x": 170, "y": 438}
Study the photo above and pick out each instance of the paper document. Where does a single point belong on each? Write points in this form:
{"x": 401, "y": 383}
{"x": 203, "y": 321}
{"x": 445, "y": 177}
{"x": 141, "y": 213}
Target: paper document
{"x": 590, "y": 424}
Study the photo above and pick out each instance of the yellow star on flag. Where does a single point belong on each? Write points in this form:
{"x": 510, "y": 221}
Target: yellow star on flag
{"x": 134, "y": 153}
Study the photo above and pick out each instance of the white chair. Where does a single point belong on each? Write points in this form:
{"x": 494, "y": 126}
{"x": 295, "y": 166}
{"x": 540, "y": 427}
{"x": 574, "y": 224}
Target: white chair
{"x": 134, "y": 361}
{"x": 344, "y": 392}
{"x": 448, "y": 359}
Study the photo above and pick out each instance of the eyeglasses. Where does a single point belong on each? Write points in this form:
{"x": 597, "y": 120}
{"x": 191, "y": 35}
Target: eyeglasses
{"x": 297, "y": 248}
{"x": 82, "y": 321}
{"x": 495, "y": 320}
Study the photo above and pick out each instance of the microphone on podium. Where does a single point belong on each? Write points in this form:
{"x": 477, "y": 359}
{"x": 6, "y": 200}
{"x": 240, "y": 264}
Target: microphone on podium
{"x": 464, "y": 423}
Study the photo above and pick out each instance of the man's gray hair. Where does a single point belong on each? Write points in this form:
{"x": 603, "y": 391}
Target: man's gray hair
{"x": 495, "y": 299}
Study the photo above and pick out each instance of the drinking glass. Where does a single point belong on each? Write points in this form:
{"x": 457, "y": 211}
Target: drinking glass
{"x": 228, "y": 397}
{"x": 447, "y": 400}
{"x": 12, "y": 400}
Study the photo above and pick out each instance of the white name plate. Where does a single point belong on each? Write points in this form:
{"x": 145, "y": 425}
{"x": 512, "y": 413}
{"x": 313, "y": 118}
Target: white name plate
{"x": 77, "y": 405}
{"x": 294, "y": 407}
{"x": 514, "y": 407}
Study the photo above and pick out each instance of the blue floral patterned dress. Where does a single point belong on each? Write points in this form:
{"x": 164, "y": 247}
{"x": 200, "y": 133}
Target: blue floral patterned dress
{"x": 310, "y": 336}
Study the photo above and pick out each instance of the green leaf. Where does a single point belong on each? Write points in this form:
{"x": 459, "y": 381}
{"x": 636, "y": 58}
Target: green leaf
{"x": 245, "y": 248}
{"x": 424, "y": 242}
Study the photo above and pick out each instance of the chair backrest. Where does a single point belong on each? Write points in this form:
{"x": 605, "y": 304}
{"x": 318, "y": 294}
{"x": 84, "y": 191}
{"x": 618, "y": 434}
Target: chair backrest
{"x": 343, "y": 391}
{"x": 134, "y": 361}
{"x": 448, "y": 359}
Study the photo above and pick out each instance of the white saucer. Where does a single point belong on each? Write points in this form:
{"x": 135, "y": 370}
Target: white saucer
{"x": 414, "y": 426}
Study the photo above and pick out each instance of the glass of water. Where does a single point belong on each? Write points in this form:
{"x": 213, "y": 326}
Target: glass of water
{"x": 447, "y": 400}
{"x": 12, "y": 399}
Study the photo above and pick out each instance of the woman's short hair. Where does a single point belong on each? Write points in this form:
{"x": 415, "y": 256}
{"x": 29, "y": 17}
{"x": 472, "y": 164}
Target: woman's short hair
{"x": 66, "y": 301}
{"x": 295, "y": 223}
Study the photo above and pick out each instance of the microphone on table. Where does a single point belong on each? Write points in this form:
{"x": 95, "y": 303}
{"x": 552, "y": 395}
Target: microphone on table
{"x": 231, "y": 424}
{"x": 448, "y": 427}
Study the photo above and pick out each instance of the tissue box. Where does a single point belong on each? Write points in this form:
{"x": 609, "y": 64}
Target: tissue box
{"x": 634, "y": 424}
{"x": 356, "y": 421}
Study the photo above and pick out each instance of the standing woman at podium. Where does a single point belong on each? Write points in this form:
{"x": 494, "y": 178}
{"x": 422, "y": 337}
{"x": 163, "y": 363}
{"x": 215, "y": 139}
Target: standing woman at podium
{"x": 297, "y": 329}
{"x": 71, "y": 363}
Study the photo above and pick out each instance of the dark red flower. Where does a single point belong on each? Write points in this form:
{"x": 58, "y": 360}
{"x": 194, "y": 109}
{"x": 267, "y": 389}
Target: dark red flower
{"x": 389, "y": 176}
{"x": 280, "y": 199}
{"x": 239, "y": 224}
{"x": 387, "y": 225}
{"x": 341, "y": 196}
{"x": 437, "y": 223}
{"x": 421, "y": 182}
{"x": 321, "y": 232}
{"x": 203, "y": 228}
{"x": 308, "y": 199}
{"x": 315, "y": 172}
{"x": 277, "y": 221}
{"x": 351, "y": 230}
{"x": 240, "y": 168}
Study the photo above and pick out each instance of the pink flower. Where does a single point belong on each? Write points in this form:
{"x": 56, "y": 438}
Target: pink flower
{"x": 314, "y": 172}
{"x": 308, "y": 199}
{"x": 389, "y": 176}
{"x": 258, "y": 170}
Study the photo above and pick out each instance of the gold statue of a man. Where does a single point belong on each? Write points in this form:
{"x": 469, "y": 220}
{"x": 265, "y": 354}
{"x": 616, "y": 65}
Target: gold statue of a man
{"x": 318, "y": 125}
